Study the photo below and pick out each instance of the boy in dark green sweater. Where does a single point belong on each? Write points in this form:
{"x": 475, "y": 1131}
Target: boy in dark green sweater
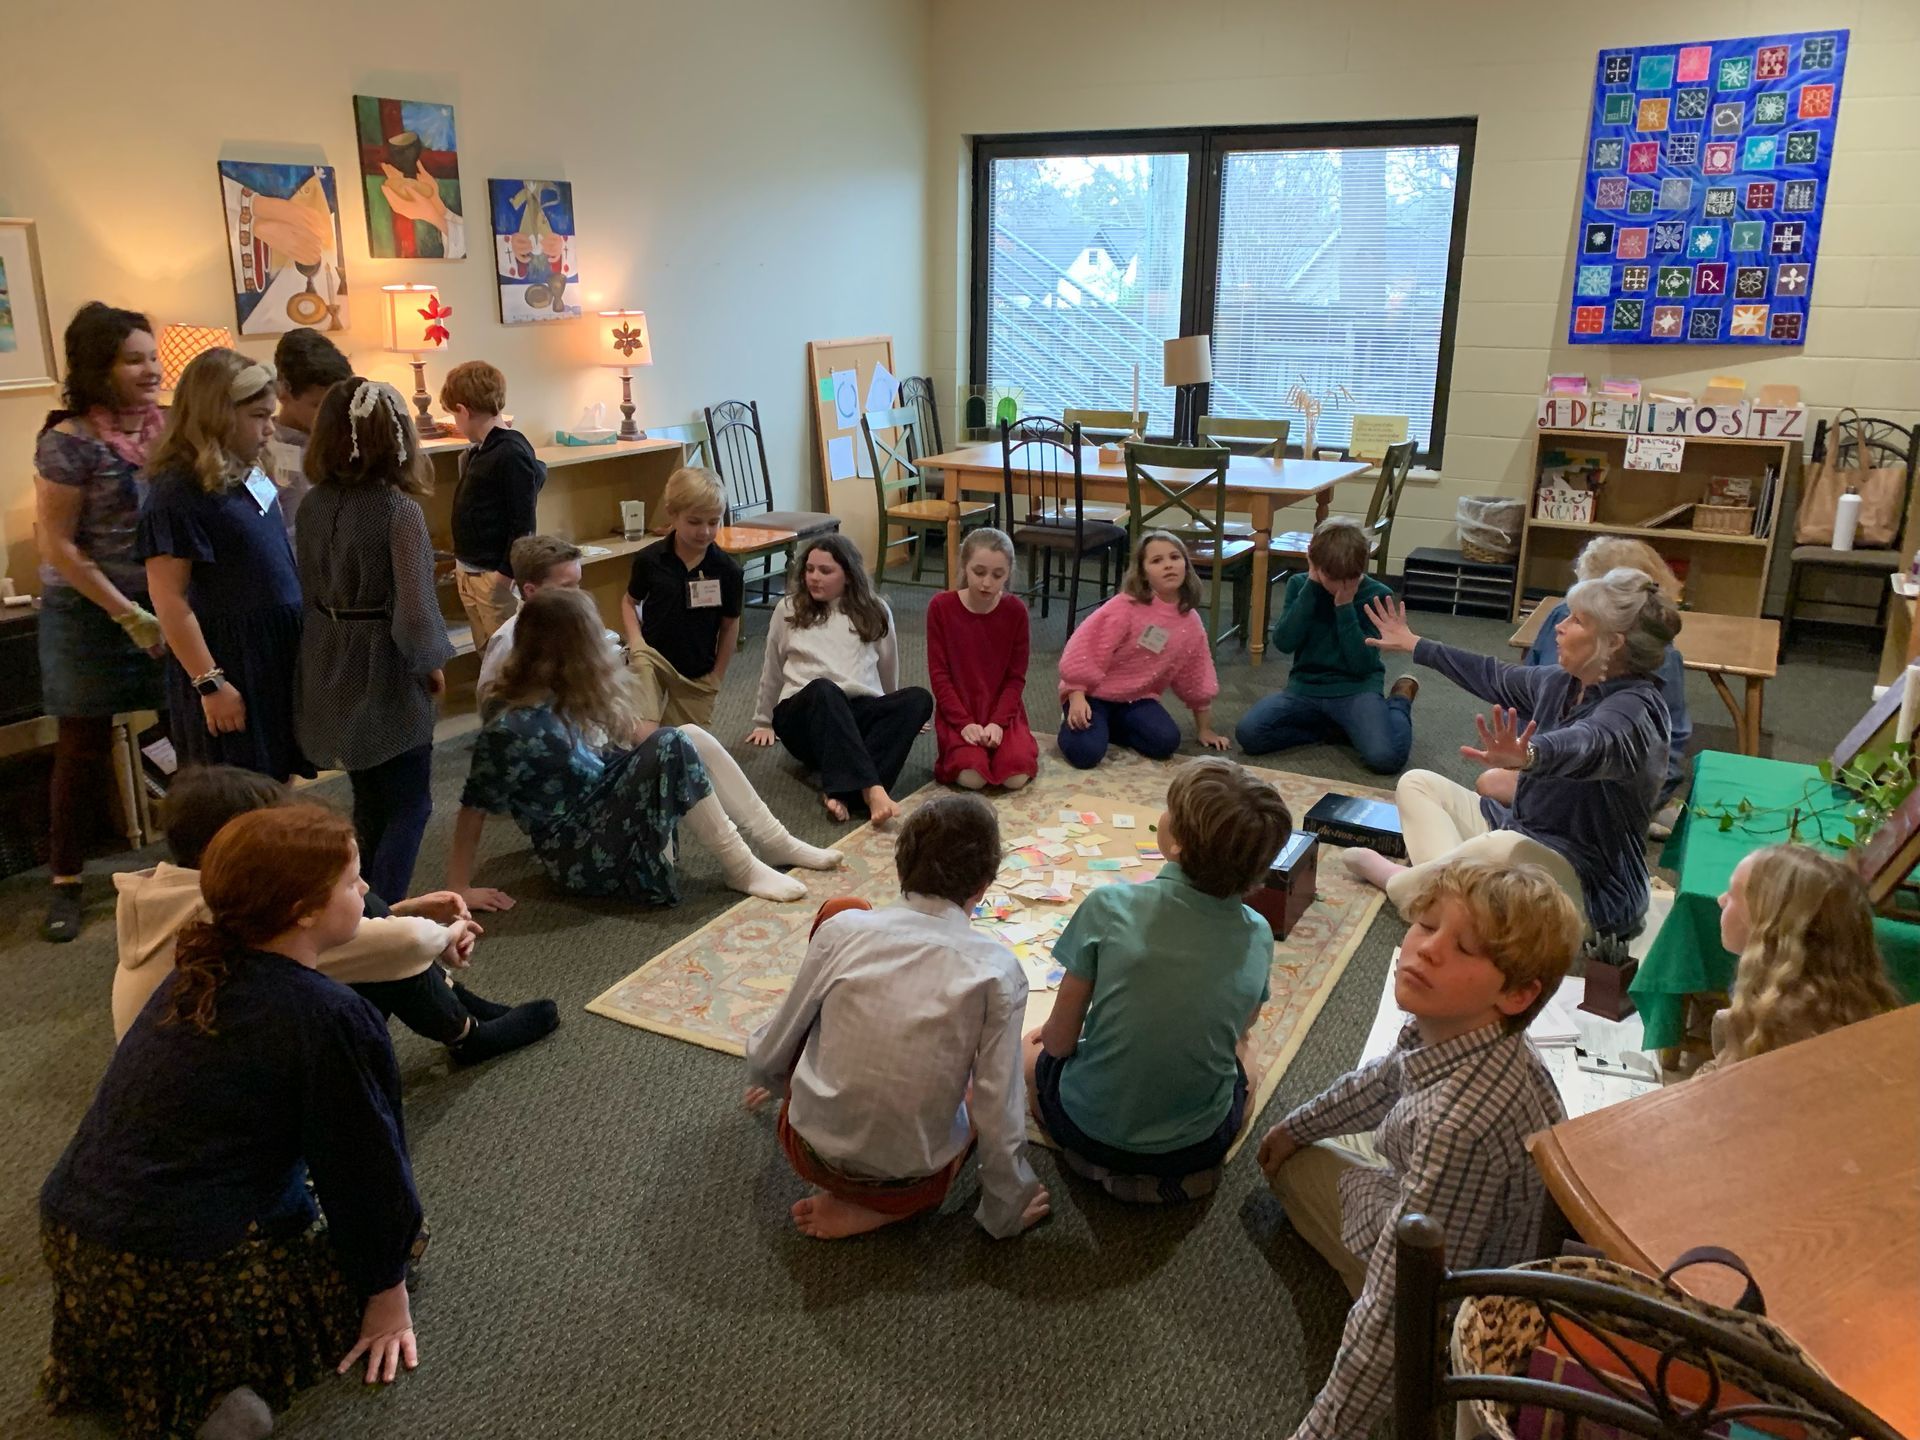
{"x": 1333, "y": 690}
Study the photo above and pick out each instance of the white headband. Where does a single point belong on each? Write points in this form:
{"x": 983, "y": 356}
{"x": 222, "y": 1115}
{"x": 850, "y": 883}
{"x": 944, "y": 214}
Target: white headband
{"x": 250, "y": 381}
{"x": 370, "y": 394}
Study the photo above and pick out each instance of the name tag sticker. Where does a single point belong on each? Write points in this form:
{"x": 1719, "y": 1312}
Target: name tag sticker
{"x": 1153, "y": 639}
{"x": 703, "y": 594}
{"x": 262, "y": 489}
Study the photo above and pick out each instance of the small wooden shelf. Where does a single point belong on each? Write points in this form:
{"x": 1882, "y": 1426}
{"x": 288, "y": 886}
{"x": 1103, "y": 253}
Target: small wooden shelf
{"x": 1654, "y": 532}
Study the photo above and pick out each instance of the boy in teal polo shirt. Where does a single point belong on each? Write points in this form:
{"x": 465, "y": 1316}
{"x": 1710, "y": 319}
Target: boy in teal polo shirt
{"x": 1333, "y": 690}
{"x": 1137, "y": 1073}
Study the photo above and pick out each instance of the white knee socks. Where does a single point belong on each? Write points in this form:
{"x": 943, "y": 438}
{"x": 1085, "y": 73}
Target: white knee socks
{"x": 749, "y": 812}
{"x": 708, "y": 824}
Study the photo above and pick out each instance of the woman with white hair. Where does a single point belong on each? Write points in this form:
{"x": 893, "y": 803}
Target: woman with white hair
{"x": 1588, "y": 738}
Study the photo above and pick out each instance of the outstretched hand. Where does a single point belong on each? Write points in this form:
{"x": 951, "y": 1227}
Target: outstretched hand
{"x": 1503, "y": 744}
{"x": 760, "y": 735}
{"x": 1389, "y": 617}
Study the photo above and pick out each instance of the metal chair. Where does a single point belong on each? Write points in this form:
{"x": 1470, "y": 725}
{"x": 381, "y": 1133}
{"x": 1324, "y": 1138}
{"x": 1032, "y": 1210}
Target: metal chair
{"x": 1887, "y": 444}
{"x": 738, "y": 451}
{"x": 745, "y": 543}
{"x": 1041, "y": 462}
{"x": 1781, "y": 1394}
{"x": 899, "y": 501}
{"x": 917, "y": 391}
{"x": 1194, "y": 508}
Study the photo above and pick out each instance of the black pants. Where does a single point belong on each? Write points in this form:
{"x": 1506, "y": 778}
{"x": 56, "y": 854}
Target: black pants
{"x": 392, "y": 802}
{"x": 425, "y": 1003}
{"x": 853, "y": 743}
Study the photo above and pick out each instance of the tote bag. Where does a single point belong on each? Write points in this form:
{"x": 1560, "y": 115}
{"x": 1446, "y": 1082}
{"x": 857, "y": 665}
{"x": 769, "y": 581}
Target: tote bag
{"x": 1882, "y": 491}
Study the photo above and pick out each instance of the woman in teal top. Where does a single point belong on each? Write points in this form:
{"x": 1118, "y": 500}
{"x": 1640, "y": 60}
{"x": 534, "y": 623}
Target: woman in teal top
{"x": 1138, "y": 1070}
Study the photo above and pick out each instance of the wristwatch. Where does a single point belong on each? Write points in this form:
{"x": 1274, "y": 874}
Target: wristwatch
{"x": 209, "y": 683}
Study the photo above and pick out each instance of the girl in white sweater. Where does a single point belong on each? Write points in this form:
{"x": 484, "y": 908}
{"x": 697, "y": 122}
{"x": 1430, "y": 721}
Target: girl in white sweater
{"x": 830, "y": 688}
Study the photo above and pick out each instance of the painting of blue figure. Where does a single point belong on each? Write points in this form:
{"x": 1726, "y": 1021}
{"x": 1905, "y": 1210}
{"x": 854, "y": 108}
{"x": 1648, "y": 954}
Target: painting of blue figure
{"x": 535, "y": 261}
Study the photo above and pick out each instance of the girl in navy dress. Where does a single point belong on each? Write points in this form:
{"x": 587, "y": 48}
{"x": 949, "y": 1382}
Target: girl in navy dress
{"x": 221, "y": 572}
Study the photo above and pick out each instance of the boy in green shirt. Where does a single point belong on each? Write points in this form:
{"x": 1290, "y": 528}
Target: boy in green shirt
{"x": 1333, "y": 690}
{"x": 1137, "y": 1073}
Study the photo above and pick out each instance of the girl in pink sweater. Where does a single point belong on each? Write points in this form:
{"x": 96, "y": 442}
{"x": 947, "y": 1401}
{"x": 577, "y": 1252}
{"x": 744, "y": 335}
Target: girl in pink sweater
{"x": 1143, "y": 641}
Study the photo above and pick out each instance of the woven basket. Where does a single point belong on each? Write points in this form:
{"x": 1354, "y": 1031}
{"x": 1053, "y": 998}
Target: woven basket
{"x": 1481, "y": 555}
{"x": 1723, "y": 519}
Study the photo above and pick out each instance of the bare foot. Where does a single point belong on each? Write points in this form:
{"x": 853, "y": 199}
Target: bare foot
{"x": 836, "y": 808}
{"x": 1370, "y": 866}
{"x": 825, "y": 1218}
{"x": 881, "y": 806}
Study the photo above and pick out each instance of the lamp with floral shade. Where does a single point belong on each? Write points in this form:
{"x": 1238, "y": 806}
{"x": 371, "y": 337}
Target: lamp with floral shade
{"x": 627, "y": 345}
{"x": 417, "y": 323}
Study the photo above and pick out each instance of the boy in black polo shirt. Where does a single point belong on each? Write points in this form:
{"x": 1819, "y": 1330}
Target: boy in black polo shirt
{"x": 681, "y": 611}
{"x": 494, "y": 503}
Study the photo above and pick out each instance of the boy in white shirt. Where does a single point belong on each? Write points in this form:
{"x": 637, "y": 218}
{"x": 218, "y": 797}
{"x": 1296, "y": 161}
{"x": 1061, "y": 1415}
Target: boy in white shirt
{"x": 538, "y": 561}
{"x": 898, "y": 1048}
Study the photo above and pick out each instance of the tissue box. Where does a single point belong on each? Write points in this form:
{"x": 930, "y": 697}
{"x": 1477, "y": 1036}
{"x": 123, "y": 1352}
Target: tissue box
{"x": 1283, "y": 897}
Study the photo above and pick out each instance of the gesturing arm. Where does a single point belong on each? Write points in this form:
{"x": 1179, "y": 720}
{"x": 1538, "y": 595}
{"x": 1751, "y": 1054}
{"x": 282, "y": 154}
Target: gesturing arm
{"x": 1611, "y": 742}
{"x": 1494, "y": 681}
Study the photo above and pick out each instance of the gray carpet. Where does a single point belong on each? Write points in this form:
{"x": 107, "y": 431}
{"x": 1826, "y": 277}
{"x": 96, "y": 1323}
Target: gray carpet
{"x": 611, "y": 1250}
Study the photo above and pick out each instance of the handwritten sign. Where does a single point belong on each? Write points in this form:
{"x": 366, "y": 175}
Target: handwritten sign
{"x": 1372, "y": 434}
{"x": 1655, "y": 452}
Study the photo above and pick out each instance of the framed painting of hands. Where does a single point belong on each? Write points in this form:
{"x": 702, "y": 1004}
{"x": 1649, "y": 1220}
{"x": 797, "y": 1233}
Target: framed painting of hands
{"x": 283, "y": 239}
{"x": 410, "y": 173}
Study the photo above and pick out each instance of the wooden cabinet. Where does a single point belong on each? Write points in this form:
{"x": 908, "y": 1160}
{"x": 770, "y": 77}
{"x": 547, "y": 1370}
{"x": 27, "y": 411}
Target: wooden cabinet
{"x": 1724, "y": 574}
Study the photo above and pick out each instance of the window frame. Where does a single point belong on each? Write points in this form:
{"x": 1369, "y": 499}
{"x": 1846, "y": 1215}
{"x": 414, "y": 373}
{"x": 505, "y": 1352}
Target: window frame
{"x": 1206, "y": 149}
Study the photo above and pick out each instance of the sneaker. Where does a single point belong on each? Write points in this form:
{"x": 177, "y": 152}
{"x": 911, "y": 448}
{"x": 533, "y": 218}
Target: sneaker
{"x": 1406, "y": 686}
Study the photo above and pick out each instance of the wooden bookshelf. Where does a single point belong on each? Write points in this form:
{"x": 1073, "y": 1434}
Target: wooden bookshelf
{"x": 1725, "y": 574}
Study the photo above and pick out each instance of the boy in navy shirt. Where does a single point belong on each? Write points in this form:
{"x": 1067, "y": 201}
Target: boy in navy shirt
{"x": 494, "y": 503}
{"x": 682, "y": 608}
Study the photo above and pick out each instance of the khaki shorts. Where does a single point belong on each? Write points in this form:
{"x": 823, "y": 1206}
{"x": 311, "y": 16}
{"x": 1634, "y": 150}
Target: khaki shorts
{"x": 489, "y": 601}
{"x": 666, "y": 696}
{"x": 1309, "y": 1189}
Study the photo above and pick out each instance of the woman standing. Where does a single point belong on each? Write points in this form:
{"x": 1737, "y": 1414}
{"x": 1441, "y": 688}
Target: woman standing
{"x": 221, "y": 571}
{"x": 373, "y": 641}
{"x": 98, "y": 640}
{"x": 195, "y": 1280}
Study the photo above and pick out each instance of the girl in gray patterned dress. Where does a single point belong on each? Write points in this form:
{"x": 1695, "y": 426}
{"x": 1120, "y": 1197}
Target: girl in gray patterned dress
{"x": 374, "y": 642}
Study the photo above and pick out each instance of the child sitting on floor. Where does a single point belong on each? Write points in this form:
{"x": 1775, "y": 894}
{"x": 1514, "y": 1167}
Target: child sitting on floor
{"x": 1138, "y": 1073}
{"x": 977, "y": 663}
{"x": 1452, "y": 1105}
{"x": 682, "y": 608}
{"x": 893, "y": 1013}
{"x": 1125, "y": 655}
{"x": 1802, "y": 925}
{"x": 397, "y": 959}
{"x": 1333, "y": 690}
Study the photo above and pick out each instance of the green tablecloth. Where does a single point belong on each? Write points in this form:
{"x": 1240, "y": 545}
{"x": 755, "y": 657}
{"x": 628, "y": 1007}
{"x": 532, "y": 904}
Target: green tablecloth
{"x": 1686, "y": 958}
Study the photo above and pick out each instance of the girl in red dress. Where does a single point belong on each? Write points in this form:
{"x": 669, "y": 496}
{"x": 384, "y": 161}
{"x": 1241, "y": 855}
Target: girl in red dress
{"x": 977, "y": 660}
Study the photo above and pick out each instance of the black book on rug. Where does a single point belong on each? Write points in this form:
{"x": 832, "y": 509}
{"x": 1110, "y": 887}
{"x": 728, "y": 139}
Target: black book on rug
{"x": 1349, "y": 820}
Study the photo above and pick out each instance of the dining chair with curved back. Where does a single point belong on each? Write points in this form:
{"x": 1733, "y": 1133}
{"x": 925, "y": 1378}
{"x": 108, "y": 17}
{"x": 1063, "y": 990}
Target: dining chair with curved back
{"x": 737, "y": 449}
{"x": 1190, "y": 502}
{"x": 1044, "y": 485}
{"x": 1874, "y": 444}
{"x": 900, "y": 497}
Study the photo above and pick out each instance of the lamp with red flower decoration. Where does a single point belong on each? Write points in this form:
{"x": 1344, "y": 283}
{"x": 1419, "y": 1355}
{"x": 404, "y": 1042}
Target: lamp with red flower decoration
{"x": 628, "y": 346}
{"x": 417, "y": 323}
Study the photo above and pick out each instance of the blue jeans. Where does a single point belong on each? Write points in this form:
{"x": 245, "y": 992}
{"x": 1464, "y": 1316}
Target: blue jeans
{"x": 1142, "y": 725}
{"x": 1380, "y": 727}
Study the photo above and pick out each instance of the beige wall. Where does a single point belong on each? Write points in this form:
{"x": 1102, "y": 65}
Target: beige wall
{"x": 752, "y": 173}
{"x": 1525, "y": 69}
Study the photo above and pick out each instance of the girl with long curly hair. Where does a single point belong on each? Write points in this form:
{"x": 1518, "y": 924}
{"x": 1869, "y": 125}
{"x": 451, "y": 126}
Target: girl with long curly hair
{"x": 196, "y": 1282}
{"x": 600, "y": 791}
{"x": 1802, "y": 925}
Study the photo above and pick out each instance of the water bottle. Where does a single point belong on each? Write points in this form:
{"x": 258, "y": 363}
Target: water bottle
{"x": 1846, "y": 520}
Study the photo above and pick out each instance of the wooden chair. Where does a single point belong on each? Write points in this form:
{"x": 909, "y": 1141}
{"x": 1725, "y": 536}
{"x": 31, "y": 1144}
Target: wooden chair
{"x": 1041, "y": 463}
{"x": 899, "y": 495}
{"x": 1192, "y": 503}
{"x": 693, "y": 436}
{"x": 1887, "y": 444}
{"x": 738, "y": 452}
{"x": 1101, "y": 426}
{"x": 917, "y": 391}
{"x": 1581, "y": 1310}
{"x": 1268, "y": 437}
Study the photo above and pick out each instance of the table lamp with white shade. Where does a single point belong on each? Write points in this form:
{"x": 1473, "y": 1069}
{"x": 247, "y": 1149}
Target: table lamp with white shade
{"x": 416, "y": 324}
{"x": 1187, "y": 364}
{"x": 626, "y": 345}
{"x": 181, "y": 344}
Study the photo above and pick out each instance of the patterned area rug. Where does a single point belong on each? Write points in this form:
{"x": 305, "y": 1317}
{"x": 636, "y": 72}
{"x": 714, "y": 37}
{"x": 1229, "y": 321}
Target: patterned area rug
{"x": 719, "y": 984}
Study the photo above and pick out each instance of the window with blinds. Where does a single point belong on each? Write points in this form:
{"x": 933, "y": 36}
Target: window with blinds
{"x": 1317, "y": 258}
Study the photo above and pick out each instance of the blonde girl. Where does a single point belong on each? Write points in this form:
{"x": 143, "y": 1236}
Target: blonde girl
{"x": 221, "y": 571}
{"x": 977, "y": 647}
{"x": 681, "y": 612}
{"x": 1802, "y": 925}
{"x": 559, "y": 756}
{"x": 1144, "y": 641}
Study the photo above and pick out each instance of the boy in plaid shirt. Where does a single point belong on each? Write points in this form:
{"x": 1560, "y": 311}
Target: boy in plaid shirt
{"x": 1436, "y": 1126}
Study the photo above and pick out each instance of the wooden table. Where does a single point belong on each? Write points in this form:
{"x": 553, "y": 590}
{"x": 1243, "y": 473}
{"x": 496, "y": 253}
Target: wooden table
{"x": 1719, "y": 645}
{"x": 1804, "y": 1162}
{"x": 1257, "y": 486}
